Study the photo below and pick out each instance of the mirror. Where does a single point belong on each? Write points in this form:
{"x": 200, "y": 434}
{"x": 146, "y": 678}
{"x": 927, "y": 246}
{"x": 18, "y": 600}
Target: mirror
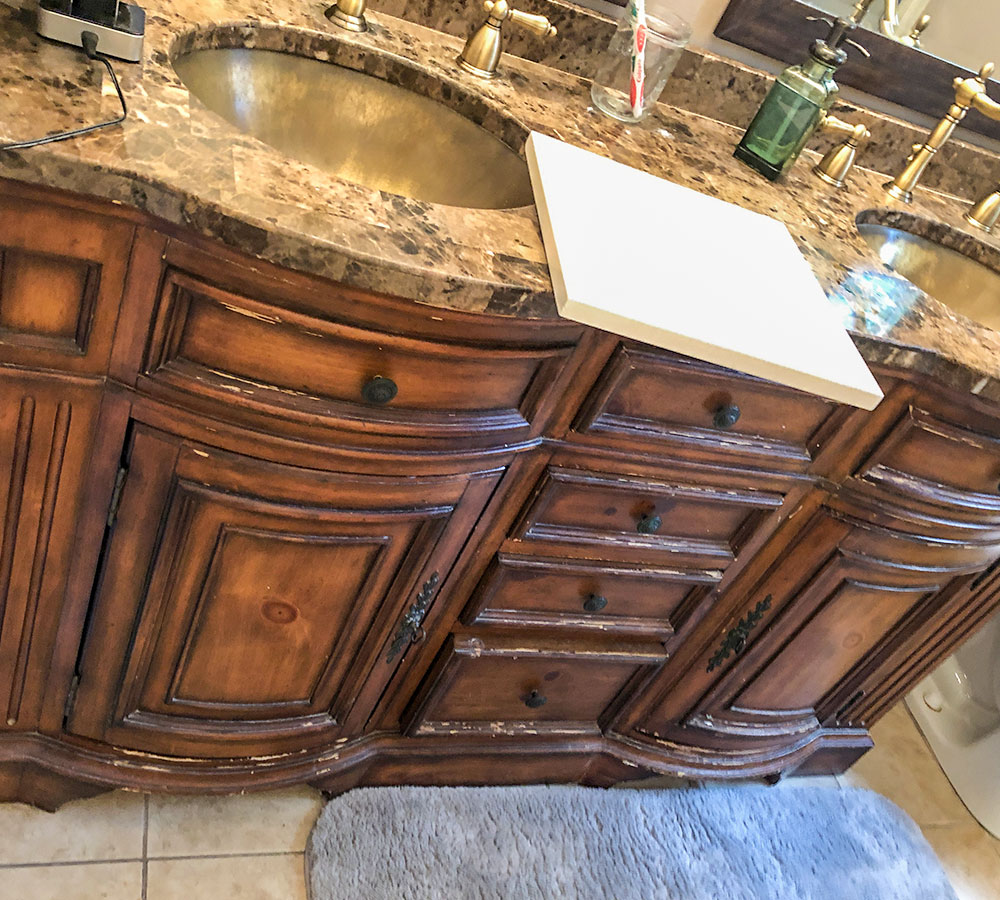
{"x": 966, "y": 32}
{"x": 913, "y": 70}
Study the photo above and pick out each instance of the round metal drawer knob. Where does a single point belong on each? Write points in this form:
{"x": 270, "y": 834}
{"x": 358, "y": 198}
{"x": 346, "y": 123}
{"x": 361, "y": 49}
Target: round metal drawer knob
{"x": 595, "y": 603}
{"x": 534, "y": 700}
{"x": 378, "y": 391}
{"x": 726, "y": 416}
{"x": 648, "y": 524}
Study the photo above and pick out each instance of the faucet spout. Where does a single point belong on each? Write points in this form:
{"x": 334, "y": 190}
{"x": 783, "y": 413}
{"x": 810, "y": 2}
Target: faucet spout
{"x": 970, "y": 93}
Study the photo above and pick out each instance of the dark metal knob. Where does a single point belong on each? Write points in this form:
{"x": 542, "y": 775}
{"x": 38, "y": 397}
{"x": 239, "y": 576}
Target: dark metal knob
{"x": 648, "y": 524}
{"x": 534, "y": 700}
{"x": 726, "y": 416}
{"x": 595, "y": 603}
{"x": 379, "y": 391}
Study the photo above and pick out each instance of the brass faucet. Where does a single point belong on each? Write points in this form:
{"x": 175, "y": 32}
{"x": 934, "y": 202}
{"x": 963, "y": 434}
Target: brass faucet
{"x": 349, "y": 14}
{"x": 970, "y": 93}
{"x": 838, "y": 162}
{"x": 889, "y": 25}
{"x": 482, "y": 51}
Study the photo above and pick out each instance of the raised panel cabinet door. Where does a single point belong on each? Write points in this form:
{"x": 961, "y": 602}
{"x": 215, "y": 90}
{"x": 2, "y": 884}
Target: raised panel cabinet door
{"x": 46, "y": 432}
{"x": 244, "y": 605}
{"x": 62, "y": 274}
{"x": 774, "y": 674}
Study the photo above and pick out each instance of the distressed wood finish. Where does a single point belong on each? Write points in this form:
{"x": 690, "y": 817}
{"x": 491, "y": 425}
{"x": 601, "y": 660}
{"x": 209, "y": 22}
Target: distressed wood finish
{"x": 499, "y": 683}
{"x": 667, "y": 405}
{"x": 223, "y": 566}
{"x": 243, "y": 604}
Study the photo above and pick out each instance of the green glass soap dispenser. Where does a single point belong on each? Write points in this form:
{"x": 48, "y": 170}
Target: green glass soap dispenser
{"x": 795, "y": 106}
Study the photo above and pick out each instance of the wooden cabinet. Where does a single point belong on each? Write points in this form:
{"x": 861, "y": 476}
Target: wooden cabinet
{"x": 356, "y": 540}
{"x": 46, "y": 434}
{"x": 243, "y": 604}
{"x": 775, "y": 671}
{"x": 815, "y": 646}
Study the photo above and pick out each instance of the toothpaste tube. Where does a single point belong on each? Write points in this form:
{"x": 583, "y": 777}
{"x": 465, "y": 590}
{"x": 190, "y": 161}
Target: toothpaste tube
{"x": 637, "y": 16}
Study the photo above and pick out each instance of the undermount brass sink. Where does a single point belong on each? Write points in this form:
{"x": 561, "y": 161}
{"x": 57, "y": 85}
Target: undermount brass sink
{"x": 962, "y": 284}
{"x": 358, "y": 127}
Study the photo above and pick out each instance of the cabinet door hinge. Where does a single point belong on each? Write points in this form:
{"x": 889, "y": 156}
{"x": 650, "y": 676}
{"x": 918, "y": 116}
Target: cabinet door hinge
{"x": 116, "y": 496}
{"x": 74, "y": 686}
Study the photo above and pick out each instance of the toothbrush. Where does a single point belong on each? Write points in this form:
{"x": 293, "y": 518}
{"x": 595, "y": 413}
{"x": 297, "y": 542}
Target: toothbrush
{"x": 637, "y": 14}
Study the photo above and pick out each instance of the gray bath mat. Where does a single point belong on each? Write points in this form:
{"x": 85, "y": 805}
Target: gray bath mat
{"x": 540, "y": 843}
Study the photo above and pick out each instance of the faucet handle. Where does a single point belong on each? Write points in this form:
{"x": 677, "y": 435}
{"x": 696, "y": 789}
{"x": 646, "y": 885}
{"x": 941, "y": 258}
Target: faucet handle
{"x": 968, "y": 90}
{"x": 838, "y": 162}
{"x": 482, "y": 51}
{"x": 536, "y": 24}
{"x": 985, "y": 213}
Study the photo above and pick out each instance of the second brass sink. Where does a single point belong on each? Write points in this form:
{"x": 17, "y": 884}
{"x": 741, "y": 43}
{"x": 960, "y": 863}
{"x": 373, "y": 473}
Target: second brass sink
{"x": 964, "y": 285}
{"x": 358, "y": 127}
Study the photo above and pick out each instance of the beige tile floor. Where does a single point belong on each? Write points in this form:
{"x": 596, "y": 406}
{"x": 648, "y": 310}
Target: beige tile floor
{"x": 123, "y": 846}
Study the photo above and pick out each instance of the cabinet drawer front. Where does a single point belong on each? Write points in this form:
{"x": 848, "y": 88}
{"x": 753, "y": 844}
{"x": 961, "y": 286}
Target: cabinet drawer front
{"x": 498, "y": 685}
{"x": 929, "y": 459}
{"x": 556, "y": 592}
{"x": 665, "y": 401}
{"x": 62, "y": 273}
{"x": 630, "y": 518}
{"x": 258, "y": 359}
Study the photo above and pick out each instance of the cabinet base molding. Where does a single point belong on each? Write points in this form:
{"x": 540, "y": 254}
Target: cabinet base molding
{"x": 47, "y": 772}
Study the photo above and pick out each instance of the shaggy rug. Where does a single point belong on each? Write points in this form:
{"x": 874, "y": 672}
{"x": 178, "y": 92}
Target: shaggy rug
{"x": 540, "y": 843}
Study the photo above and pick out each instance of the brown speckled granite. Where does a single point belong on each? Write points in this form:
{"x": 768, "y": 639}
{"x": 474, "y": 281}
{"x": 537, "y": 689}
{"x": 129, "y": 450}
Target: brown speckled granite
{"x": 704, "y": 83}
{"x": 176, "y": 160}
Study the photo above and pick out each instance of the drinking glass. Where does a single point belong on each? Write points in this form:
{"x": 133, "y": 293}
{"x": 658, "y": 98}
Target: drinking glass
{"x": 666, "y": 36}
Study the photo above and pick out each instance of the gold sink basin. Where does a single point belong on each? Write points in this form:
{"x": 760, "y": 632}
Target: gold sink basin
{"x": 964, "y": 285}
{"x": 358, "y": 127}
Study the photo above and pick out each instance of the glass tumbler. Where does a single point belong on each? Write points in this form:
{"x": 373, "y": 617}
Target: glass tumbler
{"x": 667, "y": 35}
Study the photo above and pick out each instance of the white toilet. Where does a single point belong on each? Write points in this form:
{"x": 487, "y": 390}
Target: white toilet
{"x": 958, "y": 710}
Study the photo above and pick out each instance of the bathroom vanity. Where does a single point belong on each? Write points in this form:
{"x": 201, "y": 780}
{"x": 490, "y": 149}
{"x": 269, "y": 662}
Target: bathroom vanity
{"x": 307, "y": 482}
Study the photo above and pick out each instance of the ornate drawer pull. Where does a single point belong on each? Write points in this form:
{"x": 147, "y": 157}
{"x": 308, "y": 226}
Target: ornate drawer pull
{"x": 534, "y": 700}
{"x": 648, "y": 524}
{"x": 594, "y": 603}
{"x": 734, "y": 642}
{"x": 726, "y": 416}
{"x": 379, "y": 390}
{"x": 410, "y": 630}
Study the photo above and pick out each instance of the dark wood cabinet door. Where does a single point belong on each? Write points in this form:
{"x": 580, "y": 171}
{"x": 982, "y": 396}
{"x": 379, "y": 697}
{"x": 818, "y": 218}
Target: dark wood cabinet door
{"x": 244, "y": 605}
{"x": 62, "y": 273}
{"x": 774, "y": 670}
{"x": 46, "y": 432}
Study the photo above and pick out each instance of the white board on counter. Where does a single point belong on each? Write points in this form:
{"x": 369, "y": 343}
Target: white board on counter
{"x": 642, "y": 257}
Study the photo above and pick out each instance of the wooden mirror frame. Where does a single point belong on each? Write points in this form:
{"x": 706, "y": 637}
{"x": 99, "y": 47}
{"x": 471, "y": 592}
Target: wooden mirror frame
{"x": 903, "y": 75}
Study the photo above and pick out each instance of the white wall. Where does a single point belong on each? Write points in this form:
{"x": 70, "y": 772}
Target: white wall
{"x": 964, "y": 31}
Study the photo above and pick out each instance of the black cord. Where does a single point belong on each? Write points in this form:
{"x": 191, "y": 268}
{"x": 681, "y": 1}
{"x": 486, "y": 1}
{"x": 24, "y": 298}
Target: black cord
{"x": 89, "y": 40}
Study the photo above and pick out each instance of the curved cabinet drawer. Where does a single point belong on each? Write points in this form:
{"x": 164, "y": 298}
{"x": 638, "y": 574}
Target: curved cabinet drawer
{"x": 535, "y": 591}
{"x": 244, "y": 357}
{"x": 509, "y": 684}
{"x": 940, "y": 473}
{"x": 663, "y": 402}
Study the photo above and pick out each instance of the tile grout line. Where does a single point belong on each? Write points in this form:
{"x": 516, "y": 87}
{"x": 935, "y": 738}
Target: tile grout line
{"x": 137, "y": 859}
{"x": 145, "y": 845}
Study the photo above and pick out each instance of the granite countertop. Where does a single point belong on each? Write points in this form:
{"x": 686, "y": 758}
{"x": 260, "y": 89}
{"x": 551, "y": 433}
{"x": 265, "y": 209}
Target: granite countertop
{"x": 175, "y": 159}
